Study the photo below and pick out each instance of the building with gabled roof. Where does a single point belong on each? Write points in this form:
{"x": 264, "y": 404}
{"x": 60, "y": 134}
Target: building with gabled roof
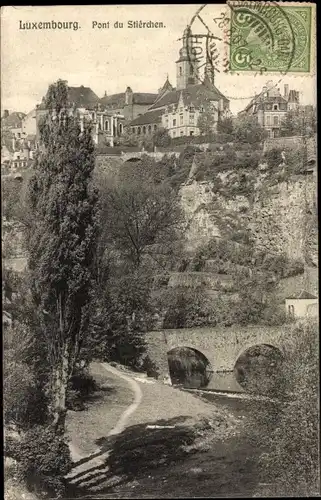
{"x": 302, "y": 304}
{"x": 178, "y": 109}
{"x": 130, "y": 104}
{"x": 270, "y": 107}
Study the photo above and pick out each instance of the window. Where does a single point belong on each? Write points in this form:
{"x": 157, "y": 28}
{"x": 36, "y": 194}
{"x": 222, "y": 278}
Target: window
{"x": 93, "y": 115}
{"x": 201, "y": 109}
{"x": 268, "y": 120}
{"x": 166, "y": 122}
{"x": 191, "y": 132}
{"x": 275, "y": 121}
{"x": 155, "y": 127}
{"x": 191, "y": 109}
{"x": 182, "y": 132}
{"x": 180, "y": 71}
{"x": 149, "y": 129}
{"x": 138, "y": 130}
{"x": 144, "y": 129}
{"x": 191, "y": 118}
{"x": 133, "y": 130}
{"x": 275, "y": 107}
{"x": 181, "y": 110}
{"x": 191, "y": 70}
{"x": 174, "y": 133}
{"x": 106, "y": 125}
{"x": 181, "y": 119}
{"x": 291, "y": 310}
{"x": 174, "y": 122}
{"x": 120, "y": 128}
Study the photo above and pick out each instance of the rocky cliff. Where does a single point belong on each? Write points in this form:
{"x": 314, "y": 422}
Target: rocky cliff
{"x": 280, "y": 218}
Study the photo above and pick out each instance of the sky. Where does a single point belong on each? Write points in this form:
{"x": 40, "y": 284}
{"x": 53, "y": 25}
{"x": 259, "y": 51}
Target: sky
{"x": 112, "y": 59}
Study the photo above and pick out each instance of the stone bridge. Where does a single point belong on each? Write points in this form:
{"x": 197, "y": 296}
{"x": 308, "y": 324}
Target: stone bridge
{"x": 157, "y": 155}
{"x": 221, "y": 346}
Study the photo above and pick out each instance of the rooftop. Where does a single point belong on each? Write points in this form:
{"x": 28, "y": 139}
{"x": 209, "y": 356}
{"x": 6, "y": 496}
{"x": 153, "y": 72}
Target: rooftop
{"x": 147, "y": 118}
{"x": 81, "y": 97}
{"x": 303, "y": 295}
{"x": 195, "y": 94}
{"x": 119, "y": 100}
{"x": 14, "y": 120}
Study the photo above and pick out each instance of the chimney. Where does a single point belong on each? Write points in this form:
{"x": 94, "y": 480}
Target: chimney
{"x": 286, "y": 91}
{"x": 6, "y": 113}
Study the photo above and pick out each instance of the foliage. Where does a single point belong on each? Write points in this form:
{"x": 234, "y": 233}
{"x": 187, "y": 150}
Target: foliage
{"x": 291, "y": 435}
{"x": 44, "y": 460}
{"x": 273, "y": 157}
{"x": 150, "y": 367}
{"x": 81, "y": 385}
{"x": 128, "y": 138}
{"x": 123, "y": 312}
{"x": 139, "y": 214}
{"x": 25, "y": 403}
{"x": 62, "y": 239}
{"x": 186, "y": 307}
{"x": 301, "y": 121}
{"x": 225, "y": 126}
{"x": 247, "y": 129}
{"x": 161, "y": 138}
{"x": 206, "y": 122}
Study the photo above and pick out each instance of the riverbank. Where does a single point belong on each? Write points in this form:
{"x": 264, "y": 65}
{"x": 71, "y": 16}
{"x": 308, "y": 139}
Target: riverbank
{"x": 173, "y": 442}
{"x": 86, "y": 429}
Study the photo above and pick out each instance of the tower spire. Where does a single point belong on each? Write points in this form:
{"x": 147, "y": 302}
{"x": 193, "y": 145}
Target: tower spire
{"x": 209, "y": 68}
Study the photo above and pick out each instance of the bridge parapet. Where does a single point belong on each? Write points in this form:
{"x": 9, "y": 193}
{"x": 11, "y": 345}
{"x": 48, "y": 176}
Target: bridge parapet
{"x": 222, "y": 346}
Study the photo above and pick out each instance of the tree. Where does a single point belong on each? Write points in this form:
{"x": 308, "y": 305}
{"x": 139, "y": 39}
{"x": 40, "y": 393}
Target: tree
{"x": 302, "y": 121}
{"x": 124, "y": 311}
{"x": 247, "y": 129}
{"x": 128, "y": 138}
{"x": 290, "y": 432}
{"x": 161, "y": 138}
{"x": 225, "y": 126}
{"x": 62, "y": 240}
{"x": 140, "y": 215}
{"x": 206, "y": 122}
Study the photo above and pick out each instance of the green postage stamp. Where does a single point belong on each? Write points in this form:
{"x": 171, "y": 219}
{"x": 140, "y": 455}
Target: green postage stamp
{"x": 270, "y": 37}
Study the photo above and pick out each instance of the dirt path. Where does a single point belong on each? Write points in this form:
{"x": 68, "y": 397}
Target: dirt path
{"x": 138, "y": 396}
{"x": 77, "y": 453}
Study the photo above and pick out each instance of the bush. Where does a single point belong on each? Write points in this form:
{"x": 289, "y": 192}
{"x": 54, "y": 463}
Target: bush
{"x": 44, "y": 460}
{"x": 290, "y": 432}
{"x": 80, "y": 387}
{"x": 150, "y": 367}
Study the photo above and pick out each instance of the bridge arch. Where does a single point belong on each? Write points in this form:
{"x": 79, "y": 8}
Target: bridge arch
{"x": 188, "y": 367}
{"x": 257, "y": 367}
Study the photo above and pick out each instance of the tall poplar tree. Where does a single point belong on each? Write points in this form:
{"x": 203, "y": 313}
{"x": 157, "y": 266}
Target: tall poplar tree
{"x": 62, "y": 240}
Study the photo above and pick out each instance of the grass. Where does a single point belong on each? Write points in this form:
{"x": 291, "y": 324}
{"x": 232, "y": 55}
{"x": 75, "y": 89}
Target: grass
{"x": 106, "y": 406}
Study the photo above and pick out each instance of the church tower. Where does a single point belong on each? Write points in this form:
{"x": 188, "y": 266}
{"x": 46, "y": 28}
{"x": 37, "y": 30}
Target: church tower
{"x": 186, "y": 65}
{"x": 209, "y": 69}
